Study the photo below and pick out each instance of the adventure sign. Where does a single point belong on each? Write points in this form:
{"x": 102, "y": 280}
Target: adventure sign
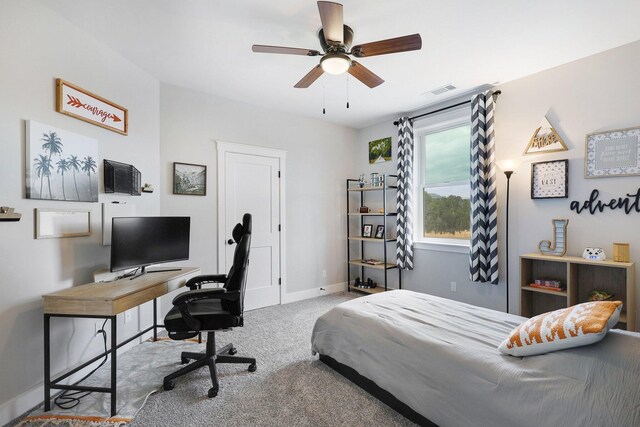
{"x": 84, "y": 105}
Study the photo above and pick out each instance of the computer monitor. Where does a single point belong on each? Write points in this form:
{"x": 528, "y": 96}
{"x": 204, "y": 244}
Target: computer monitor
{"x": 142, "y": 241}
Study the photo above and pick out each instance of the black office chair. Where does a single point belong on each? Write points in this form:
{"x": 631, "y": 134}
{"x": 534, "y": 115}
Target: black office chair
{"x": 210, "y": 310}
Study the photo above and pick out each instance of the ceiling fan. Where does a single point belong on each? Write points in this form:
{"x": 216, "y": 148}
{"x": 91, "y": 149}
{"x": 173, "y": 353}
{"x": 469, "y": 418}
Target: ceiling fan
{"x": 335, "y": 39}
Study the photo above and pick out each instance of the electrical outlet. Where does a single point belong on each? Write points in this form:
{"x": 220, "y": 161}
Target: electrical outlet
{"x": 127, "y": 316}
{"x": 97, "y": 326}
{"x": 324, "y": 273}
{"x": 453, "y": 286}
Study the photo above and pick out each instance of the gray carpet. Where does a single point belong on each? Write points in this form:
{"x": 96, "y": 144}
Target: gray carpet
{"x": 290, "y": 387}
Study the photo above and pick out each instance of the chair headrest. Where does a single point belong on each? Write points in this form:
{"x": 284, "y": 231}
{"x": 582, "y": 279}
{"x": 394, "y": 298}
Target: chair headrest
{"x": 246, "y": 223}
{"x": 240, "y": 229}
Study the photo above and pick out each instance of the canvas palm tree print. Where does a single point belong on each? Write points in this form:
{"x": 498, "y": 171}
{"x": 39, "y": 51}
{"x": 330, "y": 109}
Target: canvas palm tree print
{"x": 61, "y": 165}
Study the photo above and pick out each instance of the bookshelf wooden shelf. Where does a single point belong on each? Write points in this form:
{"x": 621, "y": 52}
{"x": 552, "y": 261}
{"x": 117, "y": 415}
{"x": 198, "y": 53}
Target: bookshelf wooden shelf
{"x": 579, "y": 276}
{"x": 373, "y": 194}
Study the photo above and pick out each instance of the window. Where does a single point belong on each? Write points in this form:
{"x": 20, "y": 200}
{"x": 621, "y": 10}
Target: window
{"x": 442, "y": 176}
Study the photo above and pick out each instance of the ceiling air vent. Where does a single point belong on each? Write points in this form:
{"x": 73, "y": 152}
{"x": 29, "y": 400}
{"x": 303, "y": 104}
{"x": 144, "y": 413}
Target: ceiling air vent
{"x": 442, "y": 89}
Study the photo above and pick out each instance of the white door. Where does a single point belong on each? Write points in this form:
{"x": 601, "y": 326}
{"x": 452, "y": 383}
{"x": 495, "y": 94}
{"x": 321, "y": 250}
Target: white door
{"x": 252, "y": 185}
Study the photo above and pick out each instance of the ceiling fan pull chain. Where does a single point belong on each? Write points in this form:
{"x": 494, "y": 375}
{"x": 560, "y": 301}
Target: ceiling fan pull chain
{"x": 347, "y": 92}
{"x": 323, "y": 100}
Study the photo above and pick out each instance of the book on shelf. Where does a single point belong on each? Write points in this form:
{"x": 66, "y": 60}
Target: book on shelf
{"x": 548, "y": 282}
{"x": 372, "y": 261}
{"x": 549, "y": 288}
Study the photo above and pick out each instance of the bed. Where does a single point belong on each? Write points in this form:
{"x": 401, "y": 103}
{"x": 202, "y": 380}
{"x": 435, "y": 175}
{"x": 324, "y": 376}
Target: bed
{"x": 436, "y": 361}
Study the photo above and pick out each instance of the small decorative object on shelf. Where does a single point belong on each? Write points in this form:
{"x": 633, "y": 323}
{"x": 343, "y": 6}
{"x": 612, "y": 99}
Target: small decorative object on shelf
{"x": 379, "y": 231}
{"x": 367, "y": 229}
{"x": 596, "y": 295}
{"x": 8, "y": 214}
{"x": 147, "y": 188}
{"x": 364, "y": 209}
{"x": 370, "y": 284}
{"x": 375, "y": 179}
{"x": 361, "y": 181}
{"x": 596, "y": 254}
{"x": 621, "y": 252}
{"x": 559, "y": 246}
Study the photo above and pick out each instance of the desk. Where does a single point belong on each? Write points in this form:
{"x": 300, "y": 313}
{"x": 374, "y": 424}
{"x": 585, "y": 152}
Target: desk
{"x": 105, "y": 301}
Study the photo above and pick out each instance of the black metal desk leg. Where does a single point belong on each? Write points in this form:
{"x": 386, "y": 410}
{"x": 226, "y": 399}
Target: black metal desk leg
{"x": 114, "y": 349}
{"x": 155, "y": 319}
{"x": 47, "y": 364}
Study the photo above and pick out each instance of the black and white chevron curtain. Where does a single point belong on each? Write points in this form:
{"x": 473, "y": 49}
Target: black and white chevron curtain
{"x": 405, "y": 193}
{"x": 484, "y": 213}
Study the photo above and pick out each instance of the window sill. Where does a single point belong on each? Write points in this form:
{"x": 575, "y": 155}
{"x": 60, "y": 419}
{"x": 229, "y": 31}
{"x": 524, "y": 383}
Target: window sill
{"x": 458, "y": 248}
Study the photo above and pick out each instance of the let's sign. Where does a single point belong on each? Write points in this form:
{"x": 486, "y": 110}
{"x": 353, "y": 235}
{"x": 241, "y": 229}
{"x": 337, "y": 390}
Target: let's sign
{"x": 84, "y": 105}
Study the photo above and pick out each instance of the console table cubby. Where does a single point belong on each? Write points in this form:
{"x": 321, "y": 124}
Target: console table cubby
{"x": 579, "y": 276}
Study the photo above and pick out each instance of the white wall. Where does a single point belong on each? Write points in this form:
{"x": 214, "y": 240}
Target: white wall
{"x": 592, "y": 94}
{"x": 37, "y": 46}
{"x": 597, "y": 93}
{"x": 319, "y": 159}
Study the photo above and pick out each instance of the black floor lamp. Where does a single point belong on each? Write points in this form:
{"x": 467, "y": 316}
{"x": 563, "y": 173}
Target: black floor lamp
{"x": 508, "y": 167}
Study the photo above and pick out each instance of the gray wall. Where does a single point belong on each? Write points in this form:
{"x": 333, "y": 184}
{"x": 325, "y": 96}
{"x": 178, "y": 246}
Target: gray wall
{"x": 37, "y": 46}
{"x": 317, "y": 163}
{"x": 592, "y": 94}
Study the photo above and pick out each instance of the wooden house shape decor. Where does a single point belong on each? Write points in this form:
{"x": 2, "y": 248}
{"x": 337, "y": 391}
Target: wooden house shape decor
{"x": 545, "y": 140}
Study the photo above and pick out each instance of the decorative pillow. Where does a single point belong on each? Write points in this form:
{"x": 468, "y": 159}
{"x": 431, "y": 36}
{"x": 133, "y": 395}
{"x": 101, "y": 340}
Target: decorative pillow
{"x": 574, "y": 326}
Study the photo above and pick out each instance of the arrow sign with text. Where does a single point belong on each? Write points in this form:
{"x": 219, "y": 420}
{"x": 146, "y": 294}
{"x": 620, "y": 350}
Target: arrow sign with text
{"x": 84, "y": 105}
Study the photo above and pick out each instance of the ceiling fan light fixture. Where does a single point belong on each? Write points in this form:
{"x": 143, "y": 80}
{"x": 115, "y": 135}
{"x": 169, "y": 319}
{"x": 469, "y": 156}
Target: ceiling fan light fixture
{"x": 335, "y": 63}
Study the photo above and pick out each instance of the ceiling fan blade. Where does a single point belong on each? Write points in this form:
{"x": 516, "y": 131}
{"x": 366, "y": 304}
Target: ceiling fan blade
{"x": 261, "y": 48}
{"x": 332, "y": 21}
{"x": 383, "y": 47}
{"x": 365, "y": 75}
{"x": 311, "y": 77}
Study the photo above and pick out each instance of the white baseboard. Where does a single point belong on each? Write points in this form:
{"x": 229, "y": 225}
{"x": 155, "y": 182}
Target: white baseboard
{"x": 315, "y": 292}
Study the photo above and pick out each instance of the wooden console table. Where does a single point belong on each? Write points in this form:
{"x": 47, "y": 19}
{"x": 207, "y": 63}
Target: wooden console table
{"x": 105, "y": 301}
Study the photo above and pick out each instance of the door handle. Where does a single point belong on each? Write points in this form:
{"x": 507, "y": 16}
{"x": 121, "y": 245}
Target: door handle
{"x": 230, "y": 241}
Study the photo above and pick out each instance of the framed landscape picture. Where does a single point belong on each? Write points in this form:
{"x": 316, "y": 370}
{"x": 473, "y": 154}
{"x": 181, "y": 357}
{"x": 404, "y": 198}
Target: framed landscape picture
{"x": 189, "y": 179}
{"x": 380, "y": 150}
{"x": 550, "y": 180}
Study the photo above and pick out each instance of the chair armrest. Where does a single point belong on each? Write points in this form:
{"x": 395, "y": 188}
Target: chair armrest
{"x": 196, "y": 282}
{"x": 182, "y": 302}
{"x": 200, "y": 294}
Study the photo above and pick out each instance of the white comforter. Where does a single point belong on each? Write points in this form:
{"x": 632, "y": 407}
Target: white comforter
{"x": 440, "y": 357}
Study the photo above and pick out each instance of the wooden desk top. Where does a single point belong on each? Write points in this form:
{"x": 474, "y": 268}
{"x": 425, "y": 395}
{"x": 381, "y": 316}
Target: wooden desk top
{"x": 111, "y": 298}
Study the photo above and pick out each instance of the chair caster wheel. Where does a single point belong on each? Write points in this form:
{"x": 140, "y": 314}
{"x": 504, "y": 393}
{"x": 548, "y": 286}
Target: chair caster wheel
{"x": 184, "y": 360}
{"x": 168, "y": 385}
{"x": 252, "y": 367}
{"x": 212, "y": 392}
{"x": 233, "y": 351}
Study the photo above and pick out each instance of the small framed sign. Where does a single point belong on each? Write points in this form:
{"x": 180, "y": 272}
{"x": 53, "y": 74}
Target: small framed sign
{"x": 612, "y": 153}
{"x": 83, "y": 105}
{"x": 379, "y": 231}
{"x": 550, "y": 180}
{"x": 367, "y": 230}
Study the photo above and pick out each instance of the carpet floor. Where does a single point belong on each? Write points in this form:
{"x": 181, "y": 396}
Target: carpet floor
{"x": 290, "y": 388}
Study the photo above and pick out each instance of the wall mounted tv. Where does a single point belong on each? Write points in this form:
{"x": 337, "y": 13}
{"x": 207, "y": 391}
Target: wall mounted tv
{"x": 137, "y": 242}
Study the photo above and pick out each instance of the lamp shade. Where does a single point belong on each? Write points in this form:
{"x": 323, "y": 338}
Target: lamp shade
{"x": 508, "y": 165}
{"x": 335, "y": 64}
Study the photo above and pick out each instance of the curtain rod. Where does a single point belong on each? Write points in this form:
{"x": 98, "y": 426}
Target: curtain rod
{"x": 496, "y": 93}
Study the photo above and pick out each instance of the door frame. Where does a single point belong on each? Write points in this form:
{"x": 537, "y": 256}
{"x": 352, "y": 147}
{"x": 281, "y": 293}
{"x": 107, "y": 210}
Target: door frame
{"x": 224, "y": 147}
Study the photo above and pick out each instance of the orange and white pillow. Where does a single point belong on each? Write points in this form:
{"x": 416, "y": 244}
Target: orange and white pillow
{"x": 574, "y": 326}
